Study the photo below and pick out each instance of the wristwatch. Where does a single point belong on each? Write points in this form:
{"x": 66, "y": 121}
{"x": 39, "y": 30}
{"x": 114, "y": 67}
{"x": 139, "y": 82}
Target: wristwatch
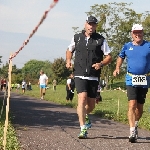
{"x": 101, "y": 64}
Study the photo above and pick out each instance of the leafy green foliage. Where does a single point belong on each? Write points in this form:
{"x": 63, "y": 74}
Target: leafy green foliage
{"x": 146, "y": 25}
{"x": 115, "y": 23}
{"x": 4, "y": 70}
{"x": 116, "y": 20}
{"x": 59, "y": 69}
{"x": 31, "y": 70}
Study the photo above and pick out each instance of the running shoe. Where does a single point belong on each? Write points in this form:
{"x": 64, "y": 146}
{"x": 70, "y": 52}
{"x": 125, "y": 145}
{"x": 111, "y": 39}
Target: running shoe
{"x": 132, "y": 137}
{"x": 87, "y": 122}
{"x": 41, "y": 98}
{"x": 83, "y": 134}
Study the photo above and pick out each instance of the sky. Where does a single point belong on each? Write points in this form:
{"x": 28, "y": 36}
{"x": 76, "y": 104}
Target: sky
{"x": 18, "y": 18}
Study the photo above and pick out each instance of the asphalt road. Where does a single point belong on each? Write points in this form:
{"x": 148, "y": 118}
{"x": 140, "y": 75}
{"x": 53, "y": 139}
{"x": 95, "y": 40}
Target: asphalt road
{"x": 43, "y": 125}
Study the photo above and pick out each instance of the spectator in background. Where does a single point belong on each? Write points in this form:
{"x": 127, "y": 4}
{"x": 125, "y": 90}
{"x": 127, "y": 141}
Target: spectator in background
{"x": 30, "y": 88}
{"x": 43, "y": 81}
{"x": 4, "y": 84}
{"x": 23, "y": 86}
{"x": 70, "y": 86}
{"x": 98, "y": 95}
{"x": 54, "y": 84}
{"x": 2, "y": 81}
{"x": 18, "y": 87}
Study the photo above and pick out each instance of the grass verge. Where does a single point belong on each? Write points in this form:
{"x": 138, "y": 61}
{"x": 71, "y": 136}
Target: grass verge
{"x": 12, "y": 141}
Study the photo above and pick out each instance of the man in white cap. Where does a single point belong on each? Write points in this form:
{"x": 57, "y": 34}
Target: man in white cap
{"x": 137, "y": 78}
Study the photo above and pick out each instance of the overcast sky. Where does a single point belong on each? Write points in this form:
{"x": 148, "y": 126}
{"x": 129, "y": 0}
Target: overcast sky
{"x": 18, "y": 18}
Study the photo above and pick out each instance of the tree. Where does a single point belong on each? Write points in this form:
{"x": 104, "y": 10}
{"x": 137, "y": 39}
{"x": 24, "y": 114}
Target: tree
{"x": 4, "y": 70}
{"x": 116, "y": 20}
{"x": 16, "y": 73}
{"x": 59, "y": 69}
{"x": 146, "y": 25}
{"x": 31, "y": 70}
{"x": 16, "y": 78}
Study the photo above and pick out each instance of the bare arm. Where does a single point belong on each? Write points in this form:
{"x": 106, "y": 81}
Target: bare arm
{"x": 106, "y": 61}
{"x": 69, "y": 86}
{"x": 46, "y": 81}
{"x": 68, "y": 58}
{"x": 118, "y": 65}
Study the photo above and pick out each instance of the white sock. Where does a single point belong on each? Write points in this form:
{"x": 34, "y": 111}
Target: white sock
{"x": 132, "y": 129}
{"x": 82, "y": 127}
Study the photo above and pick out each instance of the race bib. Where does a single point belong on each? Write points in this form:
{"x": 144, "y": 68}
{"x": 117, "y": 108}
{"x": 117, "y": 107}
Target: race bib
{"x": 139, "y": 80}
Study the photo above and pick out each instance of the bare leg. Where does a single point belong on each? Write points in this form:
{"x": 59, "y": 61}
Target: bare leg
{"x": 41, "y": 92}
{"x": 132, "y": 105}
{"x": 81, "y": 110}
{"x": 139, "y": 111}
{"x": 90, "y": 105}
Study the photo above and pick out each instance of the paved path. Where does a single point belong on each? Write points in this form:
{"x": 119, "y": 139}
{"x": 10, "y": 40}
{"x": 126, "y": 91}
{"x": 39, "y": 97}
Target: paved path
{"x": 42, "y": 125}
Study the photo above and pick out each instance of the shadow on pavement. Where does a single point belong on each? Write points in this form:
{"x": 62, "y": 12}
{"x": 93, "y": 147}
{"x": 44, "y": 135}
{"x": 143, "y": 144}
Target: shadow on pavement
{"x": 27, "y": 111}
{"x": 30, "y": 113}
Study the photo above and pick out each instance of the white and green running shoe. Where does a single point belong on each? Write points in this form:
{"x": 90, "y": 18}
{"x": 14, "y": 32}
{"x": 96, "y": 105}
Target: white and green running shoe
{"x": 83, "y": 134}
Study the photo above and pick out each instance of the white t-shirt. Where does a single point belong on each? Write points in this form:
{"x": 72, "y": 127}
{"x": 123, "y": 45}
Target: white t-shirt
{"x": 23, "y": 84}
{"x": 105, "y": 48}
{"x": 69, "y": 81}
{"x": 43, "y": 79}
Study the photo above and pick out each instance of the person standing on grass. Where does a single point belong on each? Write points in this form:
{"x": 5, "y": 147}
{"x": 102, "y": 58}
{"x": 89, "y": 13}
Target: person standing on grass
{"x": 43, "y": 81}
{"x": 54, "y": 85}
{"x": 30, "y": 88}
{"x": 137, "y": 54}
{"x": 2, "y": 83}
{"x": 89, "y": 47}
{"x": 70, "y": 86}
{"x": 18, "y": 87}
{"x": 23, "y": 86}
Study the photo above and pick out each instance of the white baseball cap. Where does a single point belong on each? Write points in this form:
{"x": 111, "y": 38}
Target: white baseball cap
{"x": 137, "y": 27}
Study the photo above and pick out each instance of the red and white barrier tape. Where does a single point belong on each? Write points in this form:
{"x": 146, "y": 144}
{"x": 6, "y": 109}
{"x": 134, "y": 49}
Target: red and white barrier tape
{"x": 35, "y": 29}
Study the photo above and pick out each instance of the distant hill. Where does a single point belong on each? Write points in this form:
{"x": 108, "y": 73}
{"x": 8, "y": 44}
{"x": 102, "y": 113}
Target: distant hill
{"x": 40, "y": 48}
